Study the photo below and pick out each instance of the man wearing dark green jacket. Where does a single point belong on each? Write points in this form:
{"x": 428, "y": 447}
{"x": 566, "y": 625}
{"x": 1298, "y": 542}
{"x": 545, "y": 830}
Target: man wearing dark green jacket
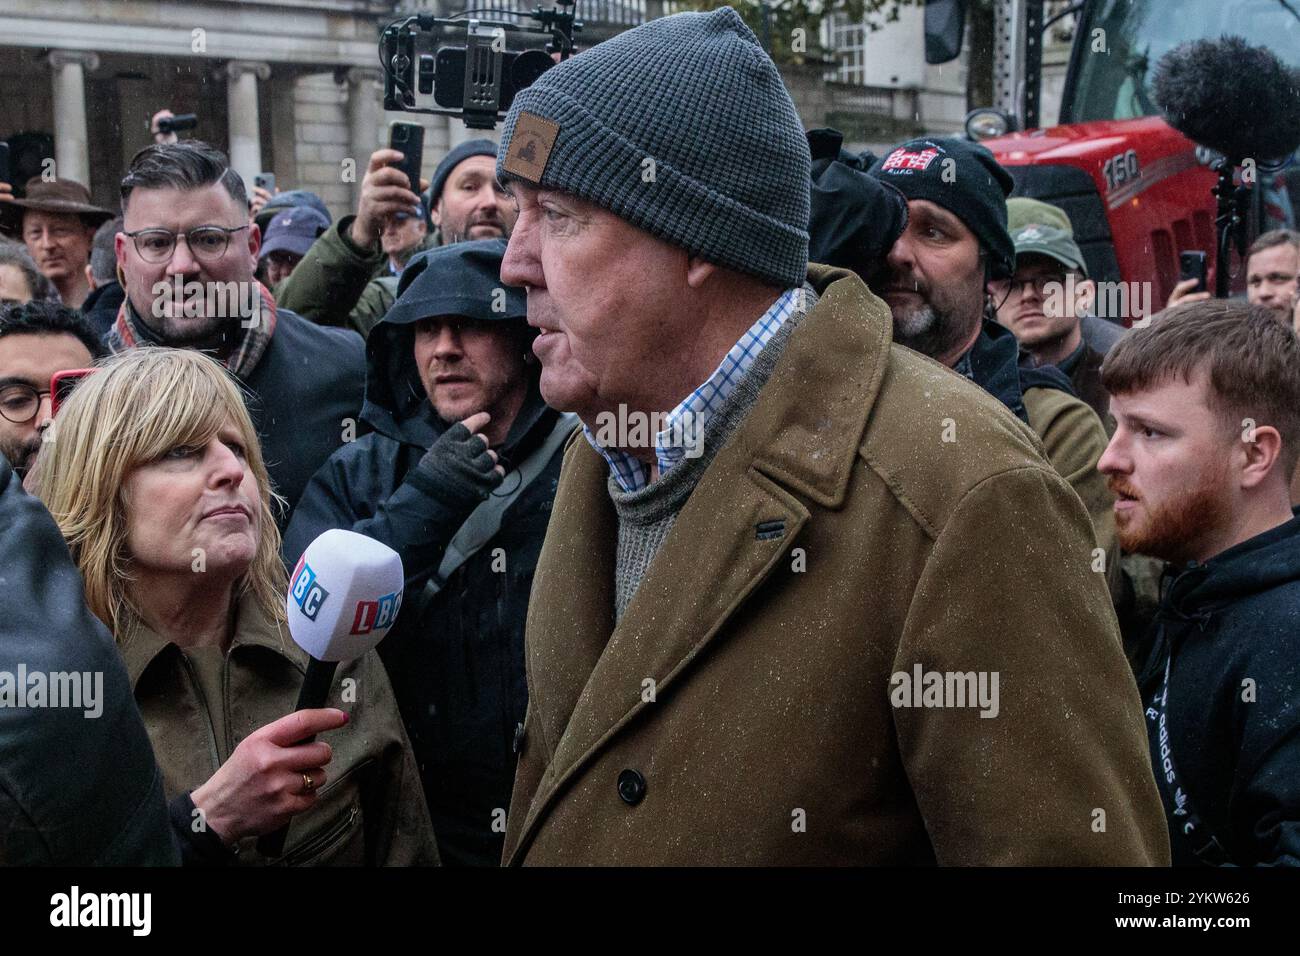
{"x": 346, "y": 278}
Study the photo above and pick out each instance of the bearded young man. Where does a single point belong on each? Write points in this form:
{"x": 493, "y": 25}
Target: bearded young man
{"x": 1207, "y": 401}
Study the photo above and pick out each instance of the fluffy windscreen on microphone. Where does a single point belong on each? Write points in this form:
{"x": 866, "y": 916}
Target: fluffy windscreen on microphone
{"x": 1238, "y": 99}
{"x": 344, "y": 595}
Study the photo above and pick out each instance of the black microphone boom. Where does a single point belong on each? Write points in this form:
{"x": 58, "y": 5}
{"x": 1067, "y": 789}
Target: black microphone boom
{"x": 1237, "y": 99}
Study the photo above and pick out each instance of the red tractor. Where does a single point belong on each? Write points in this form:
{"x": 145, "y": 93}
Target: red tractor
{"x": 1137, "y": 191}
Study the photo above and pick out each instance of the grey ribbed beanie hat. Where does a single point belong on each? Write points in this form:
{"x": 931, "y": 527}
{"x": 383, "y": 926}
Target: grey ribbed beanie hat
{"x": 682, "y": 127}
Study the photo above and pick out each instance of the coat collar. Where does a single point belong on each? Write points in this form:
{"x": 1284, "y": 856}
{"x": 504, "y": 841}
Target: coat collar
{"x": 994, "y": 366}
{"x": 142, "y": 645}
{"x": 799, "y": 442}
{"x": 806, "y": 437}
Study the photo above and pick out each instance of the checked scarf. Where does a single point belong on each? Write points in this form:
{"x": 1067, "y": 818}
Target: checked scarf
{"x": 129, "y": 331}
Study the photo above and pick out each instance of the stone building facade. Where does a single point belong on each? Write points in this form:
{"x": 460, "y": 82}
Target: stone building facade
{"x": 286, "y": 86}
{"x": 293, "y": 86}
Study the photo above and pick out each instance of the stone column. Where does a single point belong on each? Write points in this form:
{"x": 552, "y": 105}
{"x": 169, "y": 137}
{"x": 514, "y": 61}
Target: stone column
{"x": 241, "y": 111}
{"x": 364, "y": 120}
{"x": 71, "y": 149}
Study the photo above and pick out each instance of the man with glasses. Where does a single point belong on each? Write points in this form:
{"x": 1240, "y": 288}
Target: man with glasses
{"x": 938, "y": 282}
{"x": 57, "y": 222}
{"x": 1044, "y": 303}
{"x": 187, "y": 253}
{"x": 37, "y": 339}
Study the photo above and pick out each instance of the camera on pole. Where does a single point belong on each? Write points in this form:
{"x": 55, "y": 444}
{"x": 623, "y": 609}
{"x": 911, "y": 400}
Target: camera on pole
{"x": 471, "y": 68}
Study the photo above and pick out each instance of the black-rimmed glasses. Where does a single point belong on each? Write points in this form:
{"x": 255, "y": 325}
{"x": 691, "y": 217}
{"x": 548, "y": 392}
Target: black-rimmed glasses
{"x": 20, "y": 402}
{"x": 1042, "y": 284}
{"x": 205, "y": 242}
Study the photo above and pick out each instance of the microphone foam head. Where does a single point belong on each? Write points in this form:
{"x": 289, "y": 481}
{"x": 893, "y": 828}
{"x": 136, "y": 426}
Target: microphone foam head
{"x": 344, "y": 595}
{"x": 1238, "y": 99}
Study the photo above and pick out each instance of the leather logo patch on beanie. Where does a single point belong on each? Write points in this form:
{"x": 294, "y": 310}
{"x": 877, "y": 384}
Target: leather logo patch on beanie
{"x": 530, "y": 146}
{"x": 683, "y": 128}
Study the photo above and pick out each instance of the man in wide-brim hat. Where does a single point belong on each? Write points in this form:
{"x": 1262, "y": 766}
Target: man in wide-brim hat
{"x": 57, "y": 221}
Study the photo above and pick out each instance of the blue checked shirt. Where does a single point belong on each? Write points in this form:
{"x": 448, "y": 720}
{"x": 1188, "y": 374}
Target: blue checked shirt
{"x": 688, "y": 419}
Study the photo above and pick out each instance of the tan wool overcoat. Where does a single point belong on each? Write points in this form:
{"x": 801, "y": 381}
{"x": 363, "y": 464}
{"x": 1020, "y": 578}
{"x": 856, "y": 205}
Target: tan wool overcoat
{"x": 873, "y": 635}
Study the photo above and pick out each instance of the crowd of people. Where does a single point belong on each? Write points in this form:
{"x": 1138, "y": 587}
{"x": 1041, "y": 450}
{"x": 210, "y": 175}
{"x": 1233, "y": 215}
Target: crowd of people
{"x": 899, "y": 554}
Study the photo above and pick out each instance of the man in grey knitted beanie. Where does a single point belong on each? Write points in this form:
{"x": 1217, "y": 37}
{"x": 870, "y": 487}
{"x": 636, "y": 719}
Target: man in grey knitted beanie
{"x": 690, "y": 170}
{"x": 763, "y": 523}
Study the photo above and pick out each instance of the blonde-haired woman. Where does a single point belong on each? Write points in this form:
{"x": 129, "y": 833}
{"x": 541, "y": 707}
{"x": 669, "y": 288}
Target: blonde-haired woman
{"x": 156, "y": 479}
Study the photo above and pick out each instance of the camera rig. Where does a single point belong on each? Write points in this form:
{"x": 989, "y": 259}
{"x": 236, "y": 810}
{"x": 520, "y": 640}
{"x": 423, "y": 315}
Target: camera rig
{"x": 471, "y": 68}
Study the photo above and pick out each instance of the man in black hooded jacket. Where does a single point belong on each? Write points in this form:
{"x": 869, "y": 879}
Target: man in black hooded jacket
{"x": 1207, "y": 401}
{"x": 454, "y": 345}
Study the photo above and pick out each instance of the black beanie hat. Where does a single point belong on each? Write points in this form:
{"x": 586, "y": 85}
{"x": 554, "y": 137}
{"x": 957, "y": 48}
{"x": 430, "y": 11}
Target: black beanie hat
{"x": 963, "y": 178}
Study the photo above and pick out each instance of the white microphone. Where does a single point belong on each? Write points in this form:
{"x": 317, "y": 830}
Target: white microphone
{"x": 344, "y": 596}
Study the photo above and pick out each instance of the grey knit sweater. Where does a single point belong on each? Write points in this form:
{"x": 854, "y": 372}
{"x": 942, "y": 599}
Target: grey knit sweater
{"x": 646, "y": 516}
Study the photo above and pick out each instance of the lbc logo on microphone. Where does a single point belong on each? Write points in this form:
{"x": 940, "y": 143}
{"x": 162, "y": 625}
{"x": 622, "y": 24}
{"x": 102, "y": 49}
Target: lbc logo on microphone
{"x": 373, "y": 614}
{"x": 307, "y": 592}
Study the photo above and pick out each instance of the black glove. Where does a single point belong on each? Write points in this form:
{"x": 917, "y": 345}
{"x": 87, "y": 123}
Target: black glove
{"x": 460, "y": 468}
